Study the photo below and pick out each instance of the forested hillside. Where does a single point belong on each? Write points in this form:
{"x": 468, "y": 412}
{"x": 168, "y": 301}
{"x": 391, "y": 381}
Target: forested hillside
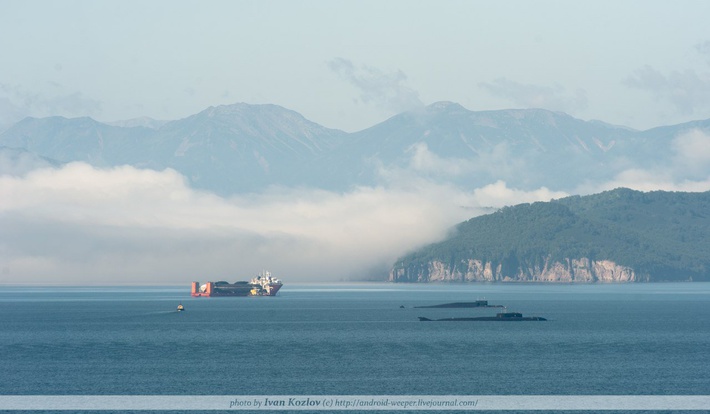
{"x": 619, "y": 235}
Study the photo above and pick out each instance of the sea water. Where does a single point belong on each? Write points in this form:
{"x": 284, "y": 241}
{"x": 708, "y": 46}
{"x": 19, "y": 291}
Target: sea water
{"x": 356, "y": 339}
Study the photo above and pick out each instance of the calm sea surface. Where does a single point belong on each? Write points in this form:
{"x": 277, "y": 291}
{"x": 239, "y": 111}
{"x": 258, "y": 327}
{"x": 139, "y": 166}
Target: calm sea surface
{"x": 643, "y": 339}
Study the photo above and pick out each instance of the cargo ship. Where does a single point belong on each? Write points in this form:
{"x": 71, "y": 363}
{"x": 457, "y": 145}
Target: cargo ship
{"x": 262, "y": 285}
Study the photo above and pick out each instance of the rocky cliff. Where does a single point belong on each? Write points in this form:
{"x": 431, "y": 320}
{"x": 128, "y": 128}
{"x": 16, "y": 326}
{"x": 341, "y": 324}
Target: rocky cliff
{"x": 581, "y": 270}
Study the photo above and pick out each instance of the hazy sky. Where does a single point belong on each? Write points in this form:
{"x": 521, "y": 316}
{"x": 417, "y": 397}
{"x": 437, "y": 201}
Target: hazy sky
{"x": 351, "y": 64}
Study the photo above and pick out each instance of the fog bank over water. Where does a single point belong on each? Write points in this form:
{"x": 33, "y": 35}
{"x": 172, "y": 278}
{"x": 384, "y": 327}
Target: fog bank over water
{"x": 80, "y": 224}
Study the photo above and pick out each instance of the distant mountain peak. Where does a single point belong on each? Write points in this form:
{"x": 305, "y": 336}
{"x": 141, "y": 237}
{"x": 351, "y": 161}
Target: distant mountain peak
{"x": 60, "y": 120}
{"x": 242, "y": 108}
{"x": 447, "y": 106}
{"x": 266, "y": 120}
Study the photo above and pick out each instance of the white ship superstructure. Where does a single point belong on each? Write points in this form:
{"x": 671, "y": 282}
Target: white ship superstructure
{"x": 265, "y": 284}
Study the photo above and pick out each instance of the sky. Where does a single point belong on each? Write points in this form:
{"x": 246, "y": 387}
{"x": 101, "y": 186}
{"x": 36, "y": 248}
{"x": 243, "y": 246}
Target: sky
{"x": 351, "y": 64}
{"x": 345, "y": 65}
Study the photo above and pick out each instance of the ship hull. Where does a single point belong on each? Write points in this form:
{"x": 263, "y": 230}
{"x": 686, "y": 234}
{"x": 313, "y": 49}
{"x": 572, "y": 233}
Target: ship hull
{"x": 273, "y": 289}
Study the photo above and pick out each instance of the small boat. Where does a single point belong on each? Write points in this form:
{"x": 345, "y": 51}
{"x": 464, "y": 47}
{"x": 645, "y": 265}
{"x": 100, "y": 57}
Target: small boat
{"x": 180, "y": 308}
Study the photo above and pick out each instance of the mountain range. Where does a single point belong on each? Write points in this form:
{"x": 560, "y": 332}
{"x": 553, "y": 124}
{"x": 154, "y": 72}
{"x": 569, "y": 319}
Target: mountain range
{"x": 244, "y": 148}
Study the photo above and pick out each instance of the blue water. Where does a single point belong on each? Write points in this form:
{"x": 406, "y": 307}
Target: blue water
{"x": 640, "y": 339}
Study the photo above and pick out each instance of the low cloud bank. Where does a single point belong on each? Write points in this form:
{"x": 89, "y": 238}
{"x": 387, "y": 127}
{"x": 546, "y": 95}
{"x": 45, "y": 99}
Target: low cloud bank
{"x": 80, "y": 224}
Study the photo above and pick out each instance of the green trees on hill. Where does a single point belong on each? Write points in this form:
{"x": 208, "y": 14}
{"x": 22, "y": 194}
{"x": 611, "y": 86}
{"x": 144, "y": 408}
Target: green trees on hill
{"x": 661, "y": 235}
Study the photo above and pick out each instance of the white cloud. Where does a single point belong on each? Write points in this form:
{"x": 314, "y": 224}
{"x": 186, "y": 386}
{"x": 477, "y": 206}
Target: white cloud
{"x": 692, "y": 150}
{"x": 91, "y": 220}
{"x": 499, "y": 195}
{"x": 423, "y": 160}
{"x": 650, "y": 180}
{"x": 424, "y": 165}
{"x": 386, "y": 90}
{"x": 79, "y": 224}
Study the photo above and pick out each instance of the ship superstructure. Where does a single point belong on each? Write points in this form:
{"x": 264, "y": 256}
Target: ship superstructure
{"x": 265, "y": 285}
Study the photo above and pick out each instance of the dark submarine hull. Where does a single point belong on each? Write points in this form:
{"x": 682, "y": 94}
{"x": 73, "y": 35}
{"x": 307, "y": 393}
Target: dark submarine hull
{"x": 501, "y": 317}
{"x": 476, "y": 304}
{"x": 484, "y": 318}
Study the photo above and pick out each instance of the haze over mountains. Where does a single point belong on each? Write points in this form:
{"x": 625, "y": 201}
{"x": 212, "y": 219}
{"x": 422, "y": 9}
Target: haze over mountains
{"x": 244, "y": 148}
{"x": 237, "y": 188}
